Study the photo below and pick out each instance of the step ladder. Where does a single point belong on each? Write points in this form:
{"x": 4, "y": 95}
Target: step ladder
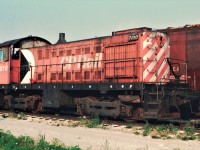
{"x": 152, "y": 104}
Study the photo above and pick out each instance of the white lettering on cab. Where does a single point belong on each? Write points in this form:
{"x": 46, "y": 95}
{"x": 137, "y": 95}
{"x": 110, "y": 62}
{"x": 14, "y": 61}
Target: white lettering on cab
{"x": 3, "y": 68}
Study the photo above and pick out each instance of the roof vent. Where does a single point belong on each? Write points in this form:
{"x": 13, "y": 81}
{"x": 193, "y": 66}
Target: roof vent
{"x": 61, "y": 39}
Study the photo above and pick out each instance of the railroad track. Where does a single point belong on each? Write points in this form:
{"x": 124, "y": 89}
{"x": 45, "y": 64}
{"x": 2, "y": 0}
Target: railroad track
{"x": 73, "y": 120}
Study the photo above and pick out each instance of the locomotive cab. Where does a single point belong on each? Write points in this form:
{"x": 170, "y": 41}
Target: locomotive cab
{"x": 14, "y": 70}
{"x": 4, "y": 65}
{"x": 14, "y": 62}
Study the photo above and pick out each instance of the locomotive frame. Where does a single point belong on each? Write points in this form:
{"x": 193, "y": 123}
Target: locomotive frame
{"x": 113, "y": 97}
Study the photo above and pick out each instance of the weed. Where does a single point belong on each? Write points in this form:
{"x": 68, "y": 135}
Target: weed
{"x": 167, "y": 129}
{"x": 21, "y": 115}
{"x": 155, "y": 136}
{"x": 173, "y": 129}
{"x": 161, "y": 128}
{"x": 136, "y": 133}
{"x": 75, "y": 124}
{"x": 73, "y": 148}
{"x": 57, "y": 142}
{"x": 41, "y": 144}
{"x": 84, "y": 121}
{"x": 147, "y": 129}
{"x": 26, "y": 142}
{"x": 95, "y": 122}
{"x": 163, "y": 135}
{"x": 189, "y": 129}
{"x": 128, "y": 126}
{"x": 186, "y": 137}
{"x": 198, "y": 137}
{"x": 8, "y": 142}
{"x": 13, "y": 115}
{"x": 106, "y": 146}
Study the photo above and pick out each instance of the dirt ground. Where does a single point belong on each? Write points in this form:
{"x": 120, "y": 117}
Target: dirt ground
{"x": 116, "y": 138}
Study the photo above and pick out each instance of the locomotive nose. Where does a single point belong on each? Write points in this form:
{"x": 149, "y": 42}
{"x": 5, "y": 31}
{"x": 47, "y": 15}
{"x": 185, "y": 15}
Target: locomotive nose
{"x": 61, "y": 39}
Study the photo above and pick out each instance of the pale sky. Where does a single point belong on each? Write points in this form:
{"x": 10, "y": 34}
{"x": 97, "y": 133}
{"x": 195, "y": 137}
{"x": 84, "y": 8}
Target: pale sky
{"x": 82, "y": 19}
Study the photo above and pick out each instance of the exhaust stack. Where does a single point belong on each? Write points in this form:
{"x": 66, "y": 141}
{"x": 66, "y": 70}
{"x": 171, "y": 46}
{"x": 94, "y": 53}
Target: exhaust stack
{"x": 61, "y": 39}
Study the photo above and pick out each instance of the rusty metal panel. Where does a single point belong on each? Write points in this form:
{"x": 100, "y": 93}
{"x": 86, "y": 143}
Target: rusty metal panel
{"x": 109, "y": 68}
{"x": 193, "y": 55}
{"x": 185, "y": 45}
{"x": 178, "y": 45}
{"x": 120, "y": 61}
{"x": 121, "y": 52}
{"x": 178, "y": 55}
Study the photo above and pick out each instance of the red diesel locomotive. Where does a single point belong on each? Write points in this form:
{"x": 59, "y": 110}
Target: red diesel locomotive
{"x": 130, "y": 75}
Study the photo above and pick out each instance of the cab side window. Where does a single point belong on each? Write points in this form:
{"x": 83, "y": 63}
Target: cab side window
{"x": 15, "y": 53}
{"x": 3, "y": 55}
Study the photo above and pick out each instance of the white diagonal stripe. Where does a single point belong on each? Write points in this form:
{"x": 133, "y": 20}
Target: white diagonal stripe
{"x": 150, "y": 52}
{"x": 152, "y": 65}
{"x": 30, "y": 58}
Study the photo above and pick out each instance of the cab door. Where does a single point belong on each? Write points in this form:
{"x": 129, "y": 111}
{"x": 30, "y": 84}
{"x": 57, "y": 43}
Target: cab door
{"x": 15, "y": 66}
{"x": 4, "y": 66}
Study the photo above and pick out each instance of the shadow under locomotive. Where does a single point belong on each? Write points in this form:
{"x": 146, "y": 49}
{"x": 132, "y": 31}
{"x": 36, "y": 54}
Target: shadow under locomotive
{"x": 117, "y": 100}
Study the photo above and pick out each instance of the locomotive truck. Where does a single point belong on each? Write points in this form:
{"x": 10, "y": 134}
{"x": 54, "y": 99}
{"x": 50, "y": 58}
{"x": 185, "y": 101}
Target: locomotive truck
{"x": 132, "y": 75}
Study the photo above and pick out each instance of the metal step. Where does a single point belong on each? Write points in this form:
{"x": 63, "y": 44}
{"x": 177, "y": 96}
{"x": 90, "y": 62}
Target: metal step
{"x": 152, "y": 106}
{"x": 152, "y": 110}
{"x": 155, "y": 93}
{"x": 153, "y": 103}
{"x": 151, "y": 115}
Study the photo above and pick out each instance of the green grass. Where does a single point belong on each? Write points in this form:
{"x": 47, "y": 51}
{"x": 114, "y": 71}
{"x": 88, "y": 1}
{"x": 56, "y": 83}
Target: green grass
{"x": 10, "y": 142}
{"x": 170, "y": 131}
{"x": 166, "y": 129}
{"x": 189, "y": 129}
{"x": 147, "y": 129}
{"x": 129, "y": 126}
{"x": 94, "y": 123}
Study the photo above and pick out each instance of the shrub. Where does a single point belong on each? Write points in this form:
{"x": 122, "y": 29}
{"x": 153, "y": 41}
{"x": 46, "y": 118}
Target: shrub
{"x": 189, "y": 129}
{"x": 173, "y": 129}
{"x": 161, "y": 128}
{"x": 26, "y": 142}
{"x": 21, "y": 115}
{"x": 129, "y": 126}
{"x": 147, "y": 129}
{"x": 84, "y": 121}
{"x": 95, "y": 122}
{"x": 8, "y": 142}
{"x": 167, "y": 129}
{"x": 186, "y": 137}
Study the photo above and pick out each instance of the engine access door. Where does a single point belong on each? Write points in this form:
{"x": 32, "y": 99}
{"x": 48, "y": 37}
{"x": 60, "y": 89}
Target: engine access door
{"x": 4, "y": 67}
